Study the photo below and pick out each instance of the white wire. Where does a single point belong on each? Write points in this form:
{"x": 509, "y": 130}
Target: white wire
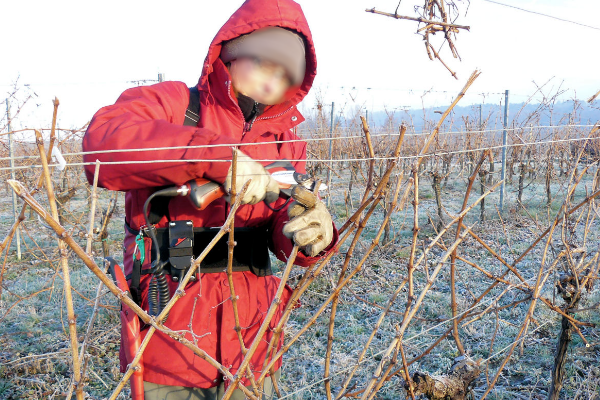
{"x": 301, "y": 140}
{"x": 311, "y": 159}
{"x": 336, "y": 160}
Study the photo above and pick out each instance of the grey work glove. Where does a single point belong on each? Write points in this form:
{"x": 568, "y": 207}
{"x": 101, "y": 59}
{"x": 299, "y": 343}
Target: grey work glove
{"x": 262, "y": 186}
{"x": 311, "y": 230}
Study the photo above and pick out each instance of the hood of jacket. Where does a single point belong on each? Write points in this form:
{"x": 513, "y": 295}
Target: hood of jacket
{"x": 257, "y": 14}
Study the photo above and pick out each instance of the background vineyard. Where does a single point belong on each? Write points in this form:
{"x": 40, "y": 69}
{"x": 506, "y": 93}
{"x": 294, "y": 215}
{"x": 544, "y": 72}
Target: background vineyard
{"x": 510, "y": 331}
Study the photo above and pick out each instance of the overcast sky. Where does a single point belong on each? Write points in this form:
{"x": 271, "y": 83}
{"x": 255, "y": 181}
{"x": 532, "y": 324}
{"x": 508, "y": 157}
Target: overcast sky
{"x": 86, "y": 53}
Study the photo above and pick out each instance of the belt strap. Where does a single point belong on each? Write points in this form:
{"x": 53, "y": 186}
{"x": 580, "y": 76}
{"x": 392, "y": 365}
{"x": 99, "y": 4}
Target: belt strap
{"x": 205, "y": 270}
{"x": 250, "y": 253}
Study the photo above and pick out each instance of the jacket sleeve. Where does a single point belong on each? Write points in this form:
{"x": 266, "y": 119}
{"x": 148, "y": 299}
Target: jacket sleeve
{"x": 148, "y": 121}
{"x": 281, "y": 246}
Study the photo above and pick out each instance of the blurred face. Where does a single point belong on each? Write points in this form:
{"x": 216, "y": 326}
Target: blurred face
{"x": 264, "y": 81}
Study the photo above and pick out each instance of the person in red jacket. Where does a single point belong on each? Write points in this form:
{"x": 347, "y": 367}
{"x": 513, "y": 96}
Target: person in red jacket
{"x": 259, "y": 66}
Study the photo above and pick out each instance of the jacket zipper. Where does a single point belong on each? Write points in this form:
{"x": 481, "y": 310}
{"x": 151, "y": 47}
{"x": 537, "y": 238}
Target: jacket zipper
{"x": 275, "y": 116}
{"x": 248, "y": 125}
{"x": 237, "y": 106}
{"x": 246, "y": 128}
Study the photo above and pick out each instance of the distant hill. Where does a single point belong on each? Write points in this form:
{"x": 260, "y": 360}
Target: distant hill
{"x": 536, "y": 114}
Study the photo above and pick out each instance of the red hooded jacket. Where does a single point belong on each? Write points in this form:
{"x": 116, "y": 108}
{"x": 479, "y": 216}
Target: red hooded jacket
{"x": 151, "y": 118}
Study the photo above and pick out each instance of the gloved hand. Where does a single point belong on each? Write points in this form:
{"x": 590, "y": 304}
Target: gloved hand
{"x": 262, "y": 186}
{"x": 311, "y": 229}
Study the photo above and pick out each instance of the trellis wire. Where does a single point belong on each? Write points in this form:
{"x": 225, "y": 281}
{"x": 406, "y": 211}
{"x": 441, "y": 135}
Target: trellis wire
{"x": 309, "y": 139}
{"x": 300, "y": 160}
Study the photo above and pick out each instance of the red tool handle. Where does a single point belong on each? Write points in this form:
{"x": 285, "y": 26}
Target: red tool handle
{"x": 131, "y": 339}
{"x": 203, "y": 192}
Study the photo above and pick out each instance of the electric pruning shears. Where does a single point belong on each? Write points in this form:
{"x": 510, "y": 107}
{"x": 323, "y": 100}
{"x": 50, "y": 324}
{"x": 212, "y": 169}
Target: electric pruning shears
{"x": 202, "y": 192}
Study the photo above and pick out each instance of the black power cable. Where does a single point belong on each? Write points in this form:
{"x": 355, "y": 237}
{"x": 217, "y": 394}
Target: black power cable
{"x": 158, "y": 290}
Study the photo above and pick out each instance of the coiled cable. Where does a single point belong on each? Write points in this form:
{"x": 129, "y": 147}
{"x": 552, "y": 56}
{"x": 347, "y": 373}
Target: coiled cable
{"x": 158, "y": 290}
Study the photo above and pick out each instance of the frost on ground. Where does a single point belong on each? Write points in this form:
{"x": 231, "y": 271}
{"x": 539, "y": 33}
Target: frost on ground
{"x": 34, "y": 342}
